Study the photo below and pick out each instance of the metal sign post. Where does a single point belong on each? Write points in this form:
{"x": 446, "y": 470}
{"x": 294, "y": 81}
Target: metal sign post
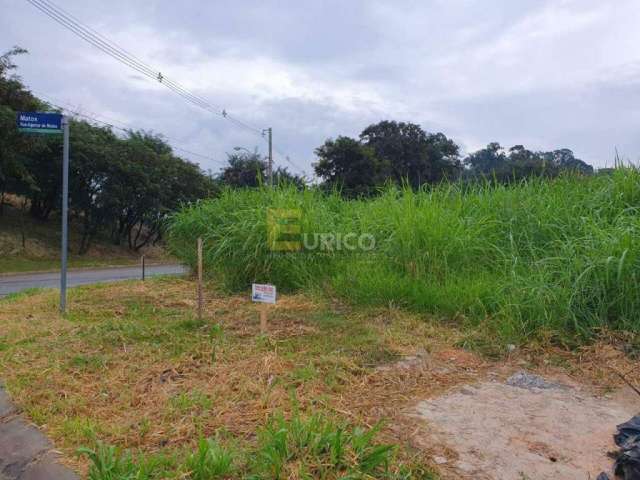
{"x": 53, "y": 124}
{"x": 65, "y": 214}
{"x": 270, "y": 167}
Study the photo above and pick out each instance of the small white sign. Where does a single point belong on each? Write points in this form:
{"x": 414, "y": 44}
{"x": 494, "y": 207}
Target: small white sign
{"x": 263, "y": 293}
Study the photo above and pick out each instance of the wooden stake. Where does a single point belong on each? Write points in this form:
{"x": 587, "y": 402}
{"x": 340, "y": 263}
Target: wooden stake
{"x": 200, "y": 300}
{"x": 263, "y": 318}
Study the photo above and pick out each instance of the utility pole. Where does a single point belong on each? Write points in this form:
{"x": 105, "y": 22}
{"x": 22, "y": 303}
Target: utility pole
{"x": 65, "y": 213}
{"x": 270, "y": 165}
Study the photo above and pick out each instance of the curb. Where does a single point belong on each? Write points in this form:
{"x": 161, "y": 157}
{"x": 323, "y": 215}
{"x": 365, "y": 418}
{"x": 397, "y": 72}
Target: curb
{"x": 84, "y": 269}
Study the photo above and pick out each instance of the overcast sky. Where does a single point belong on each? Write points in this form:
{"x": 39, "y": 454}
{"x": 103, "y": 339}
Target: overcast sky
{"x": 546, "y": 74}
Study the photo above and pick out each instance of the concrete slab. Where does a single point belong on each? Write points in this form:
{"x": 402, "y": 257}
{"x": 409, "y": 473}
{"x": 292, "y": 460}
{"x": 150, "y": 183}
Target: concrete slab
{"x": 498, "y": 431}
{"x": 20, "y": 444}
{"x": 6, "y": 407}
{"x": 25, "y": 453}
{"x": 47, "y": 468}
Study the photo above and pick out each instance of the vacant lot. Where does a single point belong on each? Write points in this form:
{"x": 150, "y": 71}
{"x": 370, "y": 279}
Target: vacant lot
{"x": 537, "y": 260}
{"x": 132, "y": 367}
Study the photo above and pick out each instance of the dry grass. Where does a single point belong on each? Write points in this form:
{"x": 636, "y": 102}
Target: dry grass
{"x": 132, "y": 366}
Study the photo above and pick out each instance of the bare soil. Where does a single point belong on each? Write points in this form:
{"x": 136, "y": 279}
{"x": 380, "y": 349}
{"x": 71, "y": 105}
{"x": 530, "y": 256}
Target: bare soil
{"x": 493, "y": 430}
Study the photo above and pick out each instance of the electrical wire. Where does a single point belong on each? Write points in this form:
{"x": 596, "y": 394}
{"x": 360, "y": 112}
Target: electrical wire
{"x": 110, "y": 122}
{"x": 124, "y": 128}
{"x": 120, "y": 54}
{"x": 123, "y": 56}
{"x": 288, "y": 160}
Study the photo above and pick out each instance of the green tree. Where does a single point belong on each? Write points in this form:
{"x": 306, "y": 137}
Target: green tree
{"x": 387, "y": 151}
{"x": 244, "y": 169}
{"x": 162, "y": 183}
{"x": 249, "y": 169}
{"x": 349, "y": 165}
{"x": 411, "y": 154}
{"x": 92, "y": 150}
{"x": 565, "y": 160}
{"x": 14, "y": 97}
{"x": 487, "y": 161}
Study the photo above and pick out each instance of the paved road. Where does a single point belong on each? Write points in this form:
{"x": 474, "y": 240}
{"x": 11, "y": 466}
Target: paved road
{"x": 16, "y": 283}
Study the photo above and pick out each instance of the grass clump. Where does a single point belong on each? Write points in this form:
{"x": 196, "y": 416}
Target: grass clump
{"x": 109, "y": 463}
{"x": 211, "y": 461}
{"x": 15, "y": 296}
{"x": 317, "y": 447}
{"x": 554, "y": 259}
{"x": 312, "y": 447}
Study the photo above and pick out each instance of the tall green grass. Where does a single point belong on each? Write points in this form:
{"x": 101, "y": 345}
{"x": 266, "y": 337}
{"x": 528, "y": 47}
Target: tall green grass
{"x": 555, "y": 258}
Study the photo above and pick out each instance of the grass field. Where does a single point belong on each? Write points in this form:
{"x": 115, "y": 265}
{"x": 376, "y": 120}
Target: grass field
{"x": 131, "y": 385}
{"x": 131, "y": 368}
{"x": 544, "y": 260}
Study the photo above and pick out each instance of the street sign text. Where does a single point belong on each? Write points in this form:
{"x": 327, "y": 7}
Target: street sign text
{"x": 37, "y": 122}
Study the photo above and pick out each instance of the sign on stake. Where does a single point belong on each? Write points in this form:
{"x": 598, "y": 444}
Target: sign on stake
{"x": 200, "y": 299}
{"x": 265, "y": 294}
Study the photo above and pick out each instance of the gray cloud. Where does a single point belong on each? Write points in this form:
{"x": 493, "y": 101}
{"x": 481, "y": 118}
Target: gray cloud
{"x": 547, "y": 74}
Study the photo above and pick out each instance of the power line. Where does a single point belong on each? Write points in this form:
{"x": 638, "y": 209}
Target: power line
{"x": 124, "y": 128}
{"x": 115, "y": 51}
{"x": 123, "y": 56}
{"x": 288, "y": 160}
{"x": 110, "y": 122}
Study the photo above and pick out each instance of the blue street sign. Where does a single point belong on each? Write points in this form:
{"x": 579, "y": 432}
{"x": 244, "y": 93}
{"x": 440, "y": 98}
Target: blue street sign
{"x": 36, "y": 122}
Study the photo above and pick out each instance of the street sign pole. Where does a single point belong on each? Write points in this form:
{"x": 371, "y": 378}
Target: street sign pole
{"x": 270, "y": 168}
{"x": 65, "y": 214}
{"x": 52, "y": 123}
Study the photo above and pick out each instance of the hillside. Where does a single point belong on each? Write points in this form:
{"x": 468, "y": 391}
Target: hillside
{"x": 40, "y": 248}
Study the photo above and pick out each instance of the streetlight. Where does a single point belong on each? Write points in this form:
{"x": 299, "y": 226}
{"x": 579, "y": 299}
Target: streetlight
{"x": 269, "y": 132}
{"x": 269, "y": 158}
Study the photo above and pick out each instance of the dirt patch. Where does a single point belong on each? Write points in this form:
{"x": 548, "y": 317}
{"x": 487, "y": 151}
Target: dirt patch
{"x": 523, "y": 429}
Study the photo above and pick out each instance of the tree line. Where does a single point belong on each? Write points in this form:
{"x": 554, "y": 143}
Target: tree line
{"x": 125, "y": 186}
{"x": 404, "y": 154}
{"x": 122, "y": 186}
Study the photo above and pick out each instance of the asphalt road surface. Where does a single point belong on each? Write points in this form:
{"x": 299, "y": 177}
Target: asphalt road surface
{"x": 17, "y": 282}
